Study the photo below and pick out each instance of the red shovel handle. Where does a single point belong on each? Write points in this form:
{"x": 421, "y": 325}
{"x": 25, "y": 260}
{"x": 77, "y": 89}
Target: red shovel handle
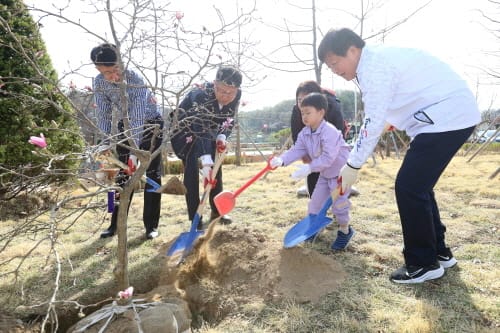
{"x": 254, "y": 178}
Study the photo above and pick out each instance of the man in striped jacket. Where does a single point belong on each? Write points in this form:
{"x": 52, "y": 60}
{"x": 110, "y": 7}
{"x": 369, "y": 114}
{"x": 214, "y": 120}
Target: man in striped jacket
{"x": 142, "y": 115}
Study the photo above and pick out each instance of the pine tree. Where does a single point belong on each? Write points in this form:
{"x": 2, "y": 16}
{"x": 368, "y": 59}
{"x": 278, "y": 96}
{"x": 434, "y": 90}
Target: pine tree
{"x": 30, "y": 102}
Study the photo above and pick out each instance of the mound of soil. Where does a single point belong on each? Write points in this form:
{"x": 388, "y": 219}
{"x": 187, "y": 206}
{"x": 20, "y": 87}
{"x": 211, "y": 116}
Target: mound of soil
{"x": 230, "y": 268}
{"x": 235, "y": 267}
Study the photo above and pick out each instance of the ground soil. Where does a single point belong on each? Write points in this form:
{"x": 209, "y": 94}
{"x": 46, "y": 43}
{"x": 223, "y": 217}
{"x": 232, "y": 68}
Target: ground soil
{"x": 240, "y": 265}
{"x": 230, "y": 268}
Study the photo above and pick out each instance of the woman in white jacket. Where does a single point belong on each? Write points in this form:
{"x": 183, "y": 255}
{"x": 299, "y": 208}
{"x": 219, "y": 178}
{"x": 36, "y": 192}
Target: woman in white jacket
{"x": 417, "y": 93}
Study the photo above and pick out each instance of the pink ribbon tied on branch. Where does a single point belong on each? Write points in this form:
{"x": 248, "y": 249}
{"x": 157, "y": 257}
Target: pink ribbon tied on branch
{"x": 38, "y": 141}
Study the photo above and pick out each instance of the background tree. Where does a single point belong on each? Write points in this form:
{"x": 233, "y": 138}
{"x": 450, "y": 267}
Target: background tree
{"x": 491, "y": 22}
{"x": 30, "y": 104}
{"x": 299, "y": 54}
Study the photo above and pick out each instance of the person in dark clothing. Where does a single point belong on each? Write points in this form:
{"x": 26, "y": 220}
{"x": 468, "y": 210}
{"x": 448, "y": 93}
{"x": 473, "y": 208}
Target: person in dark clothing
{"x": 200, "y": 127}
{"x": 143, "y": 114}
{"x": 333, "y": 116}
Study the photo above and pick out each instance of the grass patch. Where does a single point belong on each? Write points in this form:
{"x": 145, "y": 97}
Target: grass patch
{"x": 465, "y": 300}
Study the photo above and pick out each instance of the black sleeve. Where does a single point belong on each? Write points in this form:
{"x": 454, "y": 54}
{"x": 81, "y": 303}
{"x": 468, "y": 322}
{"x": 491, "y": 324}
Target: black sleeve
{"x": 296, "y": 124}
{"x": 230, "y": 112}
{"x": 334, "y": 114}
{"x": 180, "y": 129}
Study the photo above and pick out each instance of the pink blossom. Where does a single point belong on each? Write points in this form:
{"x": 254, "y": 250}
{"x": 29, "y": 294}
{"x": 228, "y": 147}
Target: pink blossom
{"x": 189, "y": 139}
{"x": 227, "y": 123}
{"x": 179, "y": 15}
{"x": 88, "y": 88}
{"x": 38, "y": 141}
{"x": 72, "y": 85}
{"x": 127, "y": 293}
{"x": 244, "y": 103}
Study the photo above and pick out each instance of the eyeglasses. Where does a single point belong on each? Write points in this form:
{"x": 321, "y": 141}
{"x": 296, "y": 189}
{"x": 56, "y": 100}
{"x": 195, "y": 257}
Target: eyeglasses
{"x": 224, "y": 89}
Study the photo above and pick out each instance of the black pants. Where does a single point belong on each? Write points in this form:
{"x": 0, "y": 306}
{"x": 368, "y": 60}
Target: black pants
{"x": 192, "y": 183}
{"x": 425, "y": 161}
{"x": 152, "y": 200}
{"x": 312, "y": 179}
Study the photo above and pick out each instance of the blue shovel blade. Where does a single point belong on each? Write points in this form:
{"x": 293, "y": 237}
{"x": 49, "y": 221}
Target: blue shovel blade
{"x": 186, "y": 240}
{"x": 306, "y": 228}
{"x": 183, "y": 241}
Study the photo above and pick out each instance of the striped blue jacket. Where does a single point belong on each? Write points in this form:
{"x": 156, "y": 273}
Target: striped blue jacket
{"x": 142, "y": 105}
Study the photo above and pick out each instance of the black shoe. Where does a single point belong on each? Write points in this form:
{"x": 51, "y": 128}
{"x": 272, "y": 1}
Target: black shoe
{"x": 152, "y": 234}
{"x": 200, "y": 224}
{"x": 446, "y": 258}
{"x": 110, "y": 232}
{"x": 415, "y": 274}
{"x": 225, "y": 219}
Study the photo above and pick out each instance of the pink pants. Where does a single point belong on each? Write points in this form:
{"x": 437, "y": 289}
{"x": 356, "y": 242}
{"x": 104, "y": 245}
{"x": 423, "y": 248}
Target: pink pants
{"x": 324, "y": 188}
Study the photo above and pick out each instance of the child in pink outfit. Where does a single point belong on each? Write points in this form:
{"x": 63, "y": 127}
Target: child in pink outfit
{"x": 325, "y": 147}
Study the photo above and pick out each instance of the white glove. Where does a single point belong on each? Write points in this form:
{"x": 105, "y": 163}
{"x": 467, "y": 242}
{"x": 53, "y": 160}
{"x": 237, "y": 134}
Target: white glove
{"x": 301, "y": 172}
{"x": 348, "y": 176}
{"x": 221, "y": 143}
{"x": 206, "y": 160}
{"x": 206, "y": 171}
{"x": 276, "y": 162}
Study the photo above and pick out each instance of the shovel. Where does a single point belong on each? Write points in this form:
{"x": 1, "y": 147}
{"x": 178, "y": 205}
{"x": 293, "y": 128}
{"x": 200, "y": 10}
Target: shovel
{"x": 311, "y": 224}
{"x": 226, "y": 200}
{"x": 156, "y": 188}
{"x": 186, "y": 240}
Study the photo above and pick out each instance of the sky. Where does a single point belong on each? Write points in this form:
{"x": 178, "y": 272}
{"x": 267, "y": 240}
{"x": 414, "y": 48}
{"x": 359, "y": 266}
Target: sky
{"x": 450, "y": 29}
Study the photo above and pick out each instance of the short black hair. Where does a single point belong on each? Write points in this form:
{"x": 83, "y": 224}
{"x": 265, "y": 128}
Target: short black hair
{"x": 338, "y": 42}
{"x": 316, "y": 100}
{"x": 104, "y": 54}
{"x": 229, "y": 75}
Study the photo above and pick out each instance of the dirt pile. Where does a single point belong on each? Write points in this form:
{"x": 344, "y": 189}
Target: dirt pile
{"x": 236, "y": 267}
{"x": 225, "y": 271}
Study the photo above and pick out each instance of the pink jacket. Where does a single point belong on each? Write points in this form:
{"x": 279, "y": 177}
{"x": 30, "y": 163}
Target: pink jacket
{"x": 325, "y": 147}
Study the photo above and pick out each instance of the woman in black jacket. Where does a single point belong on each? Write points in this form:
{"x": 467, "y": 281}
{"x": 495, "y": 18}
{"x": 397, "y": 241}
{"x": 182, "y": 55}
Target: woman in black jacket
{"x": 333, "y": 116}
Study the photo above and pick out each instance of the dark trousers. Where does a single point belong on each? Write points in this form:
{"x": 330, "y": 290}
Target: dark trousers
{"x": 425, "y": 161}
{"x": 192, "y": 183}
{"x": 312, "y": 179}
{"x": 152, "y": 200}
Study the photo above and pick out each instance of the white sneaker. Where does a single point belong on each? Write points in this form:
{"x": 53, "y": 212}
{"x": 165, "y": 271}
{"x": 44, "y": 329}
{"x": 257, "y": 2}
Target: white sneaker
{"x": 447, "y": 261}
{"x": 152, "y": 234}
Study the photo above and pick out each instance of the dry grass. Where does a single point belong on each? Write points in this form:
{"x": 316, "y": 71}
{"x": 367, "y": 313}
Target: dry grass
{"x": 465, "y": 300}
